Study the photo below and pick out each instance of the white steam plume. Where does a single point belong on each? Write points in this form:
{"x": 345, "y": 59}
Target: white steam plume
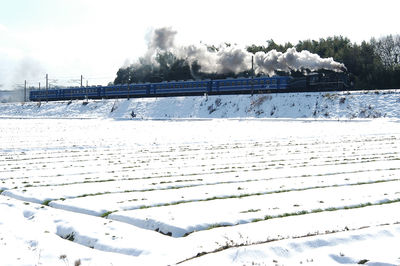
{"x": 227, "y": 59}
{"x": 293, "y": 60}
{"x": 12, "y": 80}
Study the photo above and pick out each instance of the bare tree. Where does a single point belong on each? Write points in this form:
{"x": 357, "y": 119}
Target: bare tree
{"x": 388, "y": 49}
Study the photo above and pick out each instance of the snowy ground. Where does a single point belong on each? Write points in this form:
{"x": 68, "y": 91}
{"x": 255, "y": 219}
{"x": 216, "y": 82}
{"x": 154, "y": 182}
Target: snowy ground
{"x": 125, "y": 191}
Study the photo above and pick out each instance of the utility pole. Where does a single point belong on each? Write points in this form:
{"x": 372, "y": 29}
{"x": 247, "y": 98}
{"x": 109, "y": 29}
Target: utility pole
{"x": 252, "y": 65}
{"x": 25, "y": 91}
{"x": 252, "y": 75}
{"x": 40, "y": 96}
{"x": 47, "y": 87}
{"x": 86, "y": 91}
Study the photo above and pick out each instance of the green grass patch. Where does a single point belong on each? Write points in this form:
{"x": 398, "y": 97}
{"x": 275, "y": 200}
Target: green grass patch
{"x": 251, "y": 210}
{"x": 104, "y": 215}
{"x": 46, "y": 202}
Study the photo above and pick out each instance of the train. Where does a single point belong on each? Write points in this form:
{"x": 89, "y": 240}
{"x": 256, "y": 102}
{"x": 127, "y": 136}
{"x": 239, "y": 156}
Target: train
{"x": 248, "y": 85}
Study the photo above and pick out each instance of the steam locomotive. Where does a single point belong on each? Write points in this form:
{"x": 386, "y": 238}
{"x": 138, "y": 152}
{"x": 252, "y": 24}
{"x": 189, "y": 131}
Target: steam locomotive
{"x": 250, "y": 85}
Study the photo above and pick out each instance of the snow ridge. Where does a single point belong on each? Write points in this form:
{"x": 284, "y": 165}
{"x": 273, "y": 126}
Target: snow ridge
{"x": 327, "y": 105}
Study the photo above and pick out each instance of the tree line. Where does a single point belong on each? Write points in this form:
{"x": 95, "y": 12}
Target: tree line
{"x": 373, "y": 64}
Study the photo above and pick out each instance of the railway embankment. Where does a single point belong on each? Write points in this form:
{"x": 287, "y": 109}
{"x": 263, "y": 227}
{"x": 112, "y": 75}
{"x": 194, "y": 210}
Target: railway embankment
{"x": 323, "y": 105}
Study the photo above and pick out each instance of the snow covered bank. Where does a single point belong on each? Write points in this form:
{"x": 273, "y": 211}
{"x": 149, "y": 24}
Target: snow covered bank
{"x": 335, "y": 105}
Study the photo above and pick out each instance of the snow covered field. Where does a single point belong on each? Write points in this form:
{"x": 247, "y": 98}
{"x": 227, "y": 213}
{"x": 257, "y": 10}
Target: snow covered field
{"x": 198, "y": 191}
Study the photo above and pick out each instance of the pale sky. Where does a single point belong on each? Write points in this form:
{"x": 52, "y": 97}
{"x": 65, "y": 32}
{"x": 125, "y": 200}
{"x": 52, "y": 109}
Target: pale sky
{"x": 94, "y": 38}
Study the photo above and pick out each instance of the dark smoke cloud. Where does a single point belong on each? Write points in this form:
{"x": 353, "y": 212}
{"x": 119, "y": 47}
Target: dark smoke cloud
{"x": 163, "y": 39}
